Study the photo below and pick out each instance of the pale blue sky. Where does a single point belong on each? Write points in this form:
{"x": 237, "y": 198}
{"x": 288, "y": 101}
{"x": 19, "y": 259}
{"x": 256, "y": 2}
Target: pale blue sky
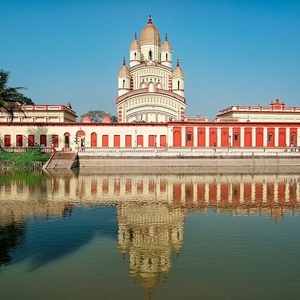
{"x": 233, "y": 52}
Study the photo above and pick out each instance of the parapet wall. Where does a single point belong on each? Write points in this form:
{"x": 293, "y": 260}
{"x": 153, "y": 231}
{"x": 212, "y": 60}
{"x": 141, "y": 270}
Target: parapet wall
{"x": 213, "y": 162}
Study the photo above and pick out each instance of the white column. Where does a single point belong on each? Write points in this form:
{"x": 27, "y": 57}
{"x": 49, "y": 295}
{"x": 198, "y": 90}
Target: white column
{"x": 183, "y": 136}
{"x": 195, "y": 135}
{"x": 230, "y": 133}
{"x": 265, "y": 140}
{"x": 242, "y": 138}
{"x": 253, "y": 136}
{"x": 206, "y": 136}
{"x": 288, "y": 136}
{"x": 170, "y": 136}
{"x": 219, "y": 136}
{"x": 276, "y": 136}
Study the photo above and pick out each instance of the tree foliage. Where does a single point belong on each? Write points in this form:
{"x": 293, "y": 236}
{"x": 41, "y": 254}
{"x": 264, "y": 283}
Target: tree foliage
{"x": 28, "y": 101}
{"x": 98, "y": 115}
{"x": 10, "y": 97}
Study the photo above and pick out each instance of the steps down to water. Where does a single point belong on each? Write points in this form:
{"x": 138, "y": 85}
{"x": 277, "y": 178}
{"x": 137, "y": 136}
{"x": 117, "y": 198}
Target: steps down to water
{"x": 63, "y": 160}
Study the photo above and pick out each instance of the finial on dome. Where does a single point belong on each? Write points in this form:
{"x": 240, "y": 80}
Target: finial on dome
{"x": 150, "y": 19}
{"x": 177, "y": 62}
{"x": 166, "y": 37}
{"x": 135, "y": 36}
{"x": 124, "y": 61}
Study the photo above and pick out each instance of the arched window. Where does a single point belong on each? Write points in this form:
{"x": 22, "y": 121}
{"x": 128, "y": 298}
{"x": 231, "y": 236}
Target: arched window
{"x": 134, "y": 55}
{"x": 43, "y": 140}
{"x": 166, "y": 56}
{"x": 94, "y": 139}
{"x": 67, "y": 139}
{"x": 19, "y": 140}
{"x": 151, "y": 87}
{"x": 31, "y": 140}
{"x": 178, "y": 84}
{"x": 7, "y": 140}
{"x": 150, "y": 55}
{"x": 123, "y": 83}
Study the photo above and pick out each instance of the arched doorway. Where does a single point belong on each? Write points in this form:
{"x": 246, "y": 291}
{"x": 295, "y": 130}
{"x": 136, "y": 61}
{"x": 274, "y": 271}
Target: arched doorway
{"x": 67, "y": 140}
{"x": 80, "y": 140}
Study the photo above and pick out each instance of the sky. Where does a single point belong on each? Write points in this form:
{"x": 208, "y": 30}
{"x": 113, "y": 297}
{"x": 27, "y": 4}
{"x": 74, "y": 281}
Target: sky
{"x": 232, "y": 52}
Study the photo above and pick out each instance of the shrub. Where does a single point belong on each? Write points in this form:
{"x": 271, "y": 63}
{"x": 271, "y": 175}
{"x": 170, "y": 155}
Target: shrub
{"x": 28, "y": 160}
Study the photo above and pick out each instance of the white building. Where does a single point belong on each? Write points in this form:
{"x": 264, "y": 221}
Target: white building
{"x": 149, "y": 90}
{"x": 276, "y": 112}
{"x": 40, "y": 114}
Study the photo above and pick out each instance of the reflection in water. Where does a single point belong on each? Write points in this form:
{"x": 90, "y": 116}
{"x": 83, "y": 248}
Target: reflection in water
{"x": 149, "y": 232}
{"x": 151, "y": 210}
{"x": 273, "y": 195}
{"x": 12, "y": 236}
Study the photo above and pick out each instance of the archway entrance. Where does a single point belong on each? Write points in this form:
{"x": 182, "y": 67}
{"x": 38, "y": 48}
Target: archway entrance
{"x": 67, "y": 141}
{"x": 80, "y": 140}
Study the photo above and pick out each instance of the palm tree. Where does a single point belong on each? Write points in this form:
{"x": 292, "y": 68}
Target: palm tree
{"x": 11, "y": 99}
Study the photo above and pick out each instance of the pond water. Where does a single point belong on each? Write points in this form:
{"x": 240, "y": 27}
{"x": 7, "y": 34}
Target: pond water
{"x": 132, "y": 235}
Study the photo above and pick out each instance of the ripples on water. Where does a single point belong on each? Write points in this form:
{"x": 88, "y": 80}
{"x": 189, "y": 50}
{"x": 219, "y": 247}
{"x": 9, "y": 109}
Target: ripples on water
{"x": 150, "y": 237}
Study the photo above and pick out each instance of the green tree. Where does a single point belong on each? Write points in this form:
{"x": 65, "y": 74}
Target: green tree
{"x": 28, "y": 101}
{"x": 11, "y": 99}
{"x": 114, "y": 119}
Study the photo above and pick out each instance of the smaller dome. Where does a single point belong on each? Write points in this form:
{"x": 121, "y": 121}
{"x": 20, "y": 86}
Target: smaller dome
{"x": 166, "y": 46}
{"x": 124, "y": 70}
{"x": 177, "y": 72}
{"x": 106, "y": 118}
{"x": 135, "y": 45}
{"x": 86, "y": 119}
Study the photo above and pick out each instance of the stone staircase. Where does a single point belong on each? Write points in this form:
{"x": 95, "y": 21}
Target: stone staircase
{"x": 63, "y": 160}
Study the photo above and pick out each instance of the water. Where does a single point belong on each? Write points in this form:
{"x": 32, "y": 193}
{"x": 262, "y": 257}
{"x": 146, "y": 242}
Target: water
{"x": 149, "y": 236}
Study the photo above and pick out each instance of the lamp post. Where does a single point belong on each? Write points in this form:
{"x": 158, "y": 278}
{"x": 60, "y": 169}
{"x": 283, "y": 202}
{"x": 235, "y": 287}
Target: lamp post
{"x": 76, "y": 141}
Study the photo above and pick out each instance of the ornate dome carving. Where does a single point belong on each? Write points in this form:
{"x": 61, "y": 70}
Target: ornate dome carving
{"x": 150, "y": 34}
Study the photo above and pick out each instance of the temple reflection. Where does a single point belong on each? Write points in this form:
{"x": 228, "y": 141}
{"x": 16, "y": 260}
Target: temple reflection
{"x": 151, "y": 209}
{"x": 149, "y": 232}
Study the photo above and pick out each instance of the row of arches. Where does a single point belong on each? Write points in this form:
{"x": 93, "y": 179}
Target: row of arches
{"x": 190, "y": 136}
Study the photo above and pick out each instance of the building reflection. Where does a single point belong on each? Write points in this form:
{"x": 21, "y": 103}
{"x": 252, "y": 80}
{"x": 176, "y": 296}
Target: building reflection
{"x": 149, "y": 232}
{"x": 151, "y": 209}
{"x": 272, "y": 195}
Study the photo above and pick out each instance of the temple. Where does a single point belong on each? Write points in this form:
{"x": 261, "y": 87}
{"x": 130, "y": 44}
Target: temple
{"x": 150, "y": 106}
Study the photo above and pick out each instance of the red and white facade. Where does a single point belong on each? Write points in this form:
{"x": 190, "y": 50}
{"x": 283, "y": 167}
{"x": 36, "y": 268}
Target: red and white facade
{"x": 150, "y": 135}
